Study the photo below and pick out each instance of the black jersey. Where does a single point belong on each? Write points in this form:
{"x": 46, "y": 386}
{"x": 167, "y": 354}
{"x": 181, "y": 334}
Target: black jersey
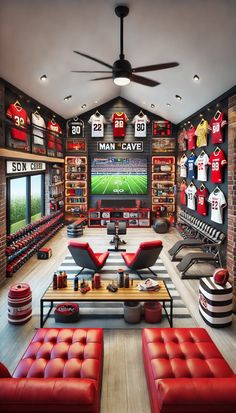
{"x": 75, "y": 128}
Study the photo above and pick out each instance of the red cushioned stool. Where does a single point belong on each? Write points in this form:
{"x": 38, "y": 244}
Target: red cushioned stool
{"x": 152, "y": 312}
{"x": 66, "y": 313}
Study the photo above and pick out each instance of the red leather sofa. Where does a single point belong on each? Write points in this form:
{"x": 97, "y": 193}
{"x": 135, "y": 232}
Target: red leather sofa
{"x": 61, "y": 371}
{"x": 186, "y": 373}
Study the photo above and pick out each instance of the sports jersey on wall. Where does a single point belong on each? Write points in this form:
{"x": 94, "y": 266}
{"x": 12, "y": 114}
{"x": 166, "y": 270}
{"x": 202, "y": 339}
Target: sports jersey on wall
{"x": 201, "y": 133}
{"x": 202, "y": 195}
{"x": 190, "y": 136}
{"x": 38, "y": 124}
{"x": 53, "y": 141}
{"x": 75, "y": 128}
{"x": 201, "y": 163}
{"x": 216, "y": 127}
{"x": 119, "y": 120}
{"x": 20, "y": 118}
{"x": 191, "y": 166}
{"x": 140, "y": 125}
{"x": 97, "y": 125}
{"x": 183, "y": 166}
{"x": 218, "y": 202}
{"x": 217, "y": 161}
{"x": 183, "y": 188}
{"x": 190, "y": 192}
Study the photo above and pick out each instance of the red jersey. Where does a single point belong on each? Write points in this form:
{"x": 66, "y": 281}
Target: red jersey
{"x": 217, "y": 161}
{"x": 183, "y": 197}
{"x": 202, "y": 196}
{"x": 54, "y": 127}
{"x": 119, "y": 120}
{"x": 20, "y": 118}
{"x": 216, "y": 127}
{"x": 191, "y": 138}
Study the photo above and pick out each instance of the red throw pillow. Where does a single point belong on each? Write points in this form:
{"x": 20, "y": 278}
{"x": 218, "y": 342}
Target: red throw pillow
{"x": 221, "y": 276}
{"x": 4, "y": 372}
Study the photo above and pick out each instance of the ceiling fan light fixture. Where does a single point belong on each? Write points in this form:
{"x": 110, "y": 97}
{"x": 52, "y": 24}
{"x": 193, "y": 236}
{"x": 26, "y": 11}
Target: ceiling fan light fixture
{"x": 121, "y": 81}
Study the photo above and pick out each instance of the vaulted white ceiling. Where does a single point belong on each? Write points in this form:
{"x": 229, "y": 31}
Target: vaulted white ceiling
{"x": 38, "y": 37}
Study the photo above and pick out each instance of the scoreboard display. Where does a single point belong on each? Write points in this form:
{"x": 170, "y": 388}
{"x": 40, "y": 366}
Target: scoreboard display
{"x": 76, "y": 145}
{"x": 161, "y": 128}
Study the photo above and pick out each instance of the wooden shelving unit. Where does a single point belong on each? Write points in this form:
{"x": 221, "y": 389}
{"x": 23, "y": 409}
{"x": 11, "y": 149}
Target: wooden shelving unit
{"x": 163, "y": 186}
{"x": 76, "y": 170}
{"x": 56, "y": 187}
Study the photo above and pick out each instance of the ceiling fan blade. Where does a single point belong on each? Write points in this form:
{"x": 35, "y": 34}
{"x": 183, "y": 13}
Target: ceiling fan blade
{"x": 91, "y": 71}
{"x": 144, "y": 81}
{"x": 102, "y": 78}
{"x": 94, "y": 59}
{"x": 154, "y": 67}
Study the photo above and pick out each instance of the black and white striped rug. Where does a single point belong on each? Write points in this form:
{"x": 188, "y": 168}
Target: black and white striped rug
{"x": 108, "y": 272}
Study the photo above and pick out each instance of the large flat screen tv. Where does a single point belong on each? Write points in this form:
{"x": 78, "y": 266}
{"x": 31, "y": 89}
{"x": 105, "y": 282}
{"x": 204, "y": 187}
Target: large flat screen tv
{"x": 119, "y": 176}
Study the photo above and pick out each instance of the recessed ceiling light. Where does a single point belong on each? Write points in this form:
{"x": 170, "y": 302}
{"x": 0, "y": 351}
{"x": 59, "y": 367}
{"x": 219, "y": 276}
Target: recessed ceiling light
{"x": 152, "y": 105}
{"x": 185, "y": 124}
{"x": 96, "y": 101}
{"x": 43, "y": 77}
{"x": 67, "y": 98}
{"x": 38, "y": 107}
{"x": 189, "y": 121}
{"x": 83, "y": 106}
{"x": 168, "y": 104}
{"x": 196, "y": 78}
{"x": 178, "y": 97}
{"x": 201, "y": 115}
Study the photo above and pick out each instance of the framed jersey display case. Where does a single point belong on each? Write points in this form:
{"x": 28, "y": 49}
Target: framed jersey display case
{"x": 163, "y": 145}
{"x": 76, "y": 145}
{"x": 161, "y": 128}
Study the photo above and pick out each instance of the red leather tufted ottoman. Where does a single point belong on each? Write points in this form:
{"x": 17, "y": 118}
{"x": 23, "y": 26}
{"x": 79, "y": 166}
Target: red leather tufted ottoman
{"x": 66, "y": 368}
{"x": 186, "y": 373}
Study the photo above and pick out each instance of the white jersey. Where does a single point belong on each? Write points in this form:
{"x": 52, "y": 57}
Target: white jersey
{"x": 140, "y": 126}
{"x": 217, "y": 201}
{"x": 202, "y": 162}
{"x": 38, "y": 123}
{"x": 97, "y": 122}
{"x": 191, "y": 200}
{"x": 183, "y": 166}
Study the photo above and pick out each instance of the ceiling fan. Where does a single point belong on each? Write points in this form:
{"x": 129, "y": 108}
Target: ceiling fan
{"x": 121, "y": 71}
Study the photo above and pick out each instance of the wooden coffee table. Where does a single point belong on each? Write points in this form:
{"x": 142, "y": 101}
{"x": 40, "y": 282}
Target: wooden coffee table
{"x": 102, "y": 294}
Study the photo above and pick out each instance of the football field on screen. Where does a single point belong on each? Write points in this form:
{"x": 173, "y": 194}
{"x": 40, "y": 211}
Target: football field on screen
{"x": 122, "y": 184}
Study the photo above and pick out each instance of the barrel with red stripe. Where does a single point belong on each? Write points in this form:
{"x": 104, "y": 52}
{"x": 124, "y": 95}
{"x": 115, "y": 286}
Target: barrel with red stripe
{"x": 19, "y": 303}
{"x": 215, "y": 302}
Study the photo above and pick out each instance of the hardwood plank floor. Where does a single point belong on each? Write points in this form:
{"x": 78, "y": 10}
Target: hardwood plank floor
{"x": 124, "y": 385}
